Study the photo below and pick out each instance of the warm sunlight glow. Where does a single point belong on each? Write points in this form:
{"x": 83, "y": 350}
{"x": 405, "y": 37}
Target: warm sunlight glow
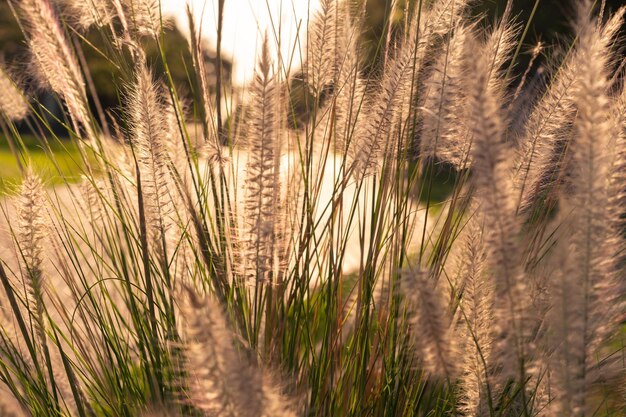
{"x": 245, "y": 23}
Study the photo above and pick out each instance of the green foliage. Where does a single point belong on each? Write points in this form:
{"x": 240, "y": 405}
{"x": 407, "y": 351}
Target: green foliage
{"x": 58, "y": 162}
{"x": 108, "y": 78}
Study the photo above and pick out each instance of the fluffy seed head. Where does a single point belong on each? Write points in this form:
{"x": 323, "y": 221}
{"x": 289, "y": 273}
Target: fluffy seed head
{"x": 144, "y": 16}
{"x": 87, "y": 13}
{"x": 263, "y": 169}
{"x": 12, "y": 101}
{"x": 320, "y": 65}
{"x": 492, "y": 165}
{"x": 54, "y": 62}
{"x": 431, "y": 325}
{"x": 587, "y": 305}
{"x": 148, "y": 135}
{"x": 225, "y": 382}
{"x": 31, "y": 233}
{"x": 444, "y": 134}
{"x": 542, "y": 163}
{"x": 476, "y": 316}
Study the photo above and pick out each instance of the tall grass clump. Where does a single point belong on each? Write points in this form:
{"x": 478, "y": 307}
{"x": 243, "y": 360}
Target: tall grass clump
{"x": 290, "y": 261}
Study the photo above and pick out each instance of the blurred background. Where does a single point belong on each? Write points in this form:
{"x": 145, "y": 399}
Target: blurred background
{"x": 245, "y": 23}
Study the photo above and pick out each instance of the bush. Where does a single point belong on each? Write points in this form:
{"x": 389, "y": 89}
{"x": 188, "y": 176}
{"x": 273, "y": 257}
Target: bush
{"x": 317, "y": 269}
